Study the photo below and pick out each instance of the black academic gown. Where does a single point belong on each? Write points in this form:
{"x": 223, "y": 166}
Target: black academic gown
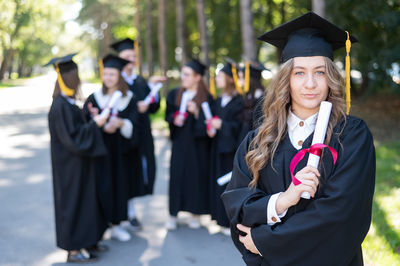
{"x": 325, "y": 230}
{"x": 74, "y": 145}
{"x": 144, "y": 165}
{"x": 223, "y": 148}
{"x": 189, "y": 170}
{"x": 114, "y": 169}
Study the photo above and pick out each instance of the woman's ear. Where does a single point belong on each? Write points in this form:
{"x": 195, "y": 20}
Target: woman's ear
{"x": 197, "y": 77}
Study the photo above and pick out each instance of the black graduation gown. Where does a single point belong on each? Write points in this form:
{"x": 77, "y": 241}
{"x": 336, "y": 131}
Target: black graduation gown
{"x": 189, "y": 170}
{"x": 144, "y": 170}
{"x": 74, "y": 144}
{"x": 223, "y": 148}
{"x": 325, "y": 230}
{"x": 114, "y": 169}
{"x": 249, "y": 115}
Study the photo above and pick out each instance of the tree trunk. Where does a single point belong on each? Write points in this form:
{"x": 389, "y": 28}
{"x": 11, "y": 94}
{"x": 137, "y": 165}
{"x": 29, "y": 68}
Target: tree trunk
{"x": 318, "y": 7}
{"x": 138, "y": 36}
{"x": 248, "y": 40}
{"x": 201, "y": 18}
{"x": 283, "y": 20}
{"x": 162, "y": 40}
{"x": 180, "y": 30}
{"x": 149, "y": 37}
{"x": 7, "y": 56}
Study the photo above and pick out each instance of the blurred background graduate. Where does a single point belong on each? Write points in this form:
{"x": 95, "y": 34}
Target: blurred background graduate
{"x": 224, "y": 130}
{"x": 144, "y": 165}
{"x": 189, "y": 168}
{"x": 120, "y": 135}
{"x": 75, "y": 142}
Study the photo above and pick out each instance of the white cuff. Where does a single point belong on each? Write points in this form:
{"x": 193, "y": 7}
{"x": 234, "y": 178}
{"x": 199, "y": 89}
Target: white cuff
{"x": 272, "y": 216}
{"x": 127, "y": 129}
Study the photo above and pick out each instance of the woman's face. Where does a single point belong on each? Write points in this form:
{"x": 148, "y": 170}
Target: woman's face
{"x": 308, "y": 85}
{"x": 110, "y": 77}
{"x": 189, "y": 78}
{"x": 220, "y": 80}
{"x": 130, "y": 55}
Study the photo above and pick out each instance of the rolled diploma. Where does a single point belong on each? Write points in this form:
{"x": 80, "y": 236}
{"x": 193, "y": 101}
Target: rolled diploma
{"x": 183, "y": 106}
{"x": 224, "y": 179}
{"x": 319, "y": 136}
{"x": 207, "y": 113}
{"x": 154, "y": 90}
{"x": 114, "y": 99}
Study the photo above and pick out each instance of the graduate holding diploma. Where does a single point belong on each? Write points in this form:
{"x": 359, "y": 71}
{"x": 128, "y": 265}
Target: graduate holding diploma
{"x": 224, "y": 131}
{"x": 75, "y": 143}
{"x": 270, "y": 223}
{"x": 188, "y": 185}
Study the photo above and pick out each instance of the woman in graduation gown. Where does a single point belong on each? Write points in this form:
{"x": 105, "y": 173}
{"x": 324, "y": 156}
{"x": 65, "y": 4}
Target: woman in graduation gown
{"x": 224, "y": 131}
{"x": 253, "y": 92}
{"x": 75, "y": 143}
{"x": 144, "y": 164}
{"x": 189, "y": 170}
{"x": 120, "y": 137}
{"x": 271, "y": 224}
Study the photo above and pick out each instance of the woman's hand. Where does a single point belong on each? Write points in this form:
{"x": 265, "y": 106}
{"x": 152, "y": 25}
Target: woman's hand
{"x": 92, "y": 110}
{"x": 179, "y": 120}
{"x": 309, "y": 178}
{"x": 155, "y": 79}
{"x": 142, "y": 107}
{"x": 216, "y": 123}
{"x": 113, "y": 124}
{"x": 247, "y": 240}
{"x": 100, "y": 120}
{"x": 192, "y": 108}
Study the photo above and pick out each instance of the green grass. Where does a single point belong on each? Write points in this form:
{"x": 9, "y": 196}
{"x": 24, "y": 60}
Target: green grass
{"x": 382, "y": 244}
{"x": 159, "y": 117}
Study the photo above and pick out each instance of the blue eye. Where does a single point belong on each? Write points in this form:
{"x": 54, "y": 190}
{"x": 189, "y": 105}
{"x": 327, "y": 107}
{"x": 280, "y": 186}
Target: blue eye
{"x": 299, "y": 73}
{"x": 320, "y": 72}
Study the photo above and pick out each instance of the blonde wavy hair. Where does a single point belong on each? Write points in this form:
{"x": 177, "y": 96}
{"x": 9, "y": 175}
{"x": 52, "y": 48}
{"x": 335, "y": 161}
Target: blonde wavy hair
{"x": 275, "y": 111}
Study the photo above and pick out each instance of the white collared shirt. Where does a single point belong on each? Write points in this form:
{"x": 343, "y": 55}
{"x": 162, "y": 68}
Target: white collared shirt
{"x": 298, "y": 131}
{"x": 225, "y": 99}
{"x": 129, "y": 79}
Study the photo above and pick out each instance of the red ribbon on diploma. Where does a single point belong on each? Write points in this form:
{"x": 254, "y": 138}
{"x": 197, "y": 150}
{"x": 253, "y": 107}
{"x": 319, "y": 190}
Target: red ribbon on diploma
{"x": 178, "y": 113}
{"x": 315, "y": 149}
{"x": 209, "y": 122}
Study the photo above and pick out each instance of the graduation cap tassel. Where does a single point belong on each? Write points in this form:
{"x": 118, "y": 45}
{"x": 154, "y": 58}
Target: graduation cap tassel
{"x": 247, "y": 77}
{"x": 101, "y": 68}
{"x": 347, "y": 69}
{"x": 235, "y": 79}
{"x": 67, "y": 91}
{"x": 212, "y": 84}
{"x": 136, "y": 48}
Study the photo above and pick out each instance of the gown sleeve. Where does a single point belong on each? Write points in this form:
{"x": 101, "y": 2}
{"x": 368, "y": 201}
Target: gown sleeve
{"x": 330, "y": 230}
{"x": 170, "y": 110}
{"x": 229, "y": 131}
{"x": 78, "y": 138}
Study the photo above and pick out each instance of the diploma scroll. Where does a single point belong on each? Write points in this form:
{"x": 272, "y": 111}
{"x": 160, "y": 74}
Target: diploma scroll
{"x": 319, "y": 136}
{"x": 154, "y": 90}
{"x": 224, "y": 179}
{"x": 207, "y": 113}
{"x": 111, "y": 103}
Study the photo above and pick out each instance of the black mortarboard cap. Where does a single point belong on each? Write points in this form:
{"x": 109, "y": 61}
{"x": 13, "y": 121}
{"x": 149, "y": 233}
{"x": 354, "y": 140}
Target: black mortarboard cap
{"x": 227, "y": 68}
{"x": 112, "y": 61}
{"x": 197, "y": 66}
{"x": 124, "y": 44}
{"x": 256, "y": 69}
{"x": 307, "y": 35}
{"x": 65, "y": 63}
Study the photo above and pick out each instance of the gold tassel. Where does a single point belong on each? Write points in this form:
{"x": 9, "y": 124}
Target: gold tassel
{"x": 101, "y": 68}
{"x": 212, "y": 84}
{"x": 235, "y": 79}
{"x": 136, "y": 48}
{"x": 247, "y": 78}
{"x": 347, "y": 69}
{"x": 67, "y": 91}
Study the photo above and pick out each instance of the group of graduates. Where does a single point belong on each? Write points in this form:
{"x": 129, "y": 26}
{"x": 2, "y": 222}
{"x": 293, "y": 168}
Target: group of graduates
{"x": 103, "y": 155}
{"x": 205, "y": 138}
